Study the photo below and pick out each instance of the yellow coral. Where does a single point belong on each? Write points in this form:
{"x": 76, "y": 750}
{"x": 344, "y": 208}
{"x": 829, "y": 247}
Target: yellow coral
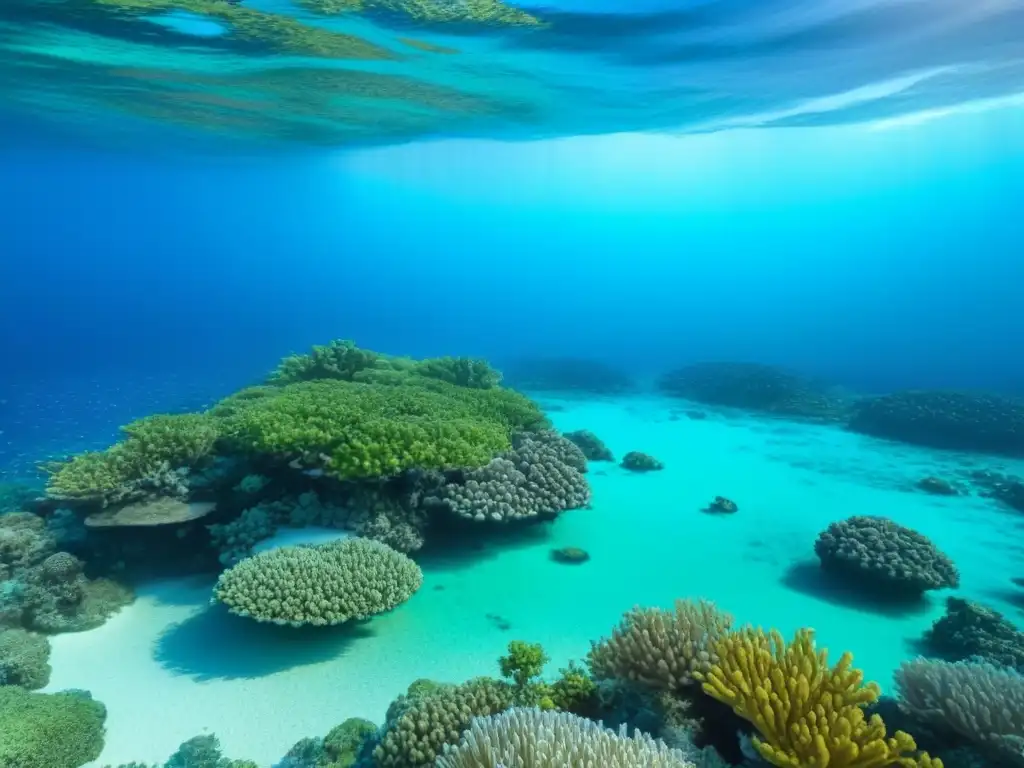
{"x": 809, "y": 715}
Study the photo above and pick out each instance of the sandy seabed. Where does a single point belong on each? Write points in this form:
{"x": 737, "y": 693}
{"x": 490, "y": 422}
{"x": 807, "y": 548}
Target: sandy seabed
{"x": 171, "y": 666}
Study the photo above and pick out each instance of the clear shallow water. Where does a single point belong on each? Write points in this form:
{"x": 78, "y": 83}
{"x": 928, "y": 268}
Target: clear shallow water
{"x": 170, "y": 666}
{"x": 325, "y": 73}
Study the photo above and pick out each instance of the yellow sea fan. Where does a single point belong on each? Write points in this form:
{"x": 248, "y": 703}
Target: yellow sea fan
{"x": 808, "y": 714}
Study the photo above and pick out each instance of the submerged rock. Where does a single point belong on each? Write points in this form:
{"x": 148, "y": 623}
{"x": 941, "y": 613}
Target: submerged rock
{"x": 570, "y": 555}
{"x": 635, "y": 461}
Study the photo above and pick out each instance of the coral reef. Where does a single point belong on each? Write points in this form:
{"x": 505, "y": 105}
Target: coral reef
{"x": 979, "y": 702}
{"x": 355, "y": 430}
{"x": 952, "y": 420}
{"x": 419, "y": 725}
{"x": 635, "y": 461}
{"x": 970, "y": 630}
{"x": 661, "y": 649}
{"x": 875, "y": 552}
{"x": 492, "y": 13}
{"x": 592, "y": 446}
{"x": 24, "y": 659}
{"x": 129, "y": 469}
{"x": 807, "y": 714}
{"x": 343, "y": 747}
{"x": 319, "y": 585}
{"x": 541, "y": 476}
{"x": 567, "y": 374}
{"x": 532, "y": 738}
{"x": 755, "y": 387}
{"x": 46, "y": 590}
{"x": 234, "y": 540}
{"x": 52, "y": 730}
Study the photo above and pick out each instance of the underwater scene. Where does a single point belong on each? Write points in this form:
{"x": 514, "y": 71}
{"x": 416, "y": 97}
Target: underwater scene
{"x": 486, "y": 384}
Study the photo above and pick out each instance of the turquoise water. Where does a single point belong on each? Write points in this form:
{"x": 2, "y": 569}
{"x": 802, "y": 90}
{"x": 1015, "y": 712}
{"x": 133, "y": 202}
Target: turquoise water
{"x": 602, "y": 200}
{"x": 260, "y": 689}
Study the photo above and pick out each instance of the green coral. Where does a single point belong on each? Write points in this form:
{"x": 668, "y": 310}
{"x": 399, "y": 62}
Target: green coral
{"x": 420, "y": 726}
{"x": 319, "y": 585}
{"x": 461, "y": 371}
{"x": 150, "y": 445}
{"x": 24, "y": 659}
{"x": 574, "y": 690}
{"x": 524, "y": 662}
{"x": 57, "y": 730}
{"x": 203, "y": 752}
{"x": 358, "y": 430}
{"x": 342, "y": 360}
{"x": 339, "y": 359}
{"x": 344, "y": 743}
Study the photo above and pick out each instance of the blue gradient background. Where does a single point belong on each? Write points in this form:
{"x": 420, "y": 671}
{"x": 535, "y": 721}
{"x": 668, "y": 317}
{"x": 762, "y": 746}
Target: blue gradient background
{"x": 877, "y": 258}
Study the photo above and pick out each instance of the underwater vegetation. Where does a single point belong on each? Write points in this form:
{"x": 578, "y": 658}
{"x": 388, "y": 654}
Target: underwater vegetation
{"x": 389, "y": 454}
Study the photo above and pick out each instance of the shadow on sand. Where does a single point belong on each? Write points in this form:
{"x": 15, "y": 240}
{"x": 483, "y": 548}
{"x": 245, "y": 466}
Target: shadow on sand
{"x": 215, "y": 645}
{"x": 808, "y": 578}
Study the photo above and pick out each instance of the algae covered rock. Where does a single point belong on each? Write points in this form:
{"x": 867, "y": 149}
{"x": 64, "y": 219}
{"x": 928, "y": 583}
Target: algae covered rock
{"x": 49, "y": 730}
{"x": 319, "y": 585}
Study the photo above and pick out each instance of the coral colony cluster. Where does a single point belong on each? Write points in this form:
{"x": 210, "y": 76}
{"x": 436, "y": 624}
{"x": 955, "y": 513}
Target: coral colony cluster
{"x": 398, "y": 452}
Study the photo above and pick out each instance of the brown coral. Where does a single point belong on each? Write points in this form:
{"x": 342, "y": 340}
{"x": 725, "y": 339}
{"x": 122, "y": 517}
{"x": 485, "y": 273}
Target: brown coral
{"x": 661, "y": 649}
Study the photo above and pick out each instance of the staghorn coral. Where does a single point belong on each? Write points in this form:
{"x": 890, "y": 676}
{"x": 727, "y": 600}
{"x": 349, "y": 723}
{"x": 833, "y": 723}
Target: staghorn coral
{"x": 152, "y": 447}
{"x": 808, "y": 715}
{"x": 461, "y": 371}
{"x": 540, "y": 477}
{"x": 53, "y": 730}
{"x": 531, "y": 738}
{"x": 661, "y": 649}
{"x": 319, "y": 585}
{"x": 878, "y": 552}
{"x": 980, "y": 702}
{"x": 419, "y": 725}
{"x": 972, "y": 630}
{"x": 952, "y": 420}
{"x": 339, "y": 359}
{"x": 24, "y": 659}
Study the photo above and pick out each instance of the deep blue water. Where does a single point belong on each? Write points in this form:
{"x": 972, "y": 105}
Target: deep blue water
{"x": 850, "y": 210}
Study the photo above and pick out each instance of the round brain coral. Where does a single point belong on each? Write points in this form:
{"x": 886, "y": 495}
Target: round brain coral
{"x": 319, "y": 585}
{"x": 882, "y": 553}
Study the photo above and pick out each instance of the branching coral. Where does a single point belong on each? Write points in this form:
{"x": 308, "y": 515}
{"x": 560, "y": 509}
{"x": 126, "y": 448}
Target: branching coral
{"x": 980, "y": 702}
{"x": 419, "y": 725}
{"x": 808, "y": 714}
{"x": 152, "y": 445}
{"x": 319, "y": 585}
{"x": 531, "y": 738}
{"x": 660, "y": 649}
{"x": 56, "y": 730}
{"x": 24, "y": 659}
{"x": 356, "y": 430}
{"x": 541, "y": 476}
